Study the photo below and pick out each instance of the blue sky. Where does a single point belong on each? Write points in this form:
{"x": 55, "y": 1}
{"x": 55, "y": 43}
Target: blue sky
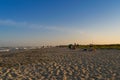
{"x": 54, "y": 22}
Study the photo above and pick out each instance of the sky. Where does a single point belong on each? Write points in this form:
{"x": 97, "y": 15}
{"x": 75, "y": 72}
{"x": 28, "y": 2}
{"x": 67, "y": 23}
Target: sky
{"x": 56, "y": 22}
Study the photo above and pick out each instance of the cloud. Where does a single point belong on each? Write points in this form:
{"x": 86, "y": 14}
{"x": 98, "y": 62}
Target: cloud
{"x": 13, "y": 23}
{"x": 54, "y": 35}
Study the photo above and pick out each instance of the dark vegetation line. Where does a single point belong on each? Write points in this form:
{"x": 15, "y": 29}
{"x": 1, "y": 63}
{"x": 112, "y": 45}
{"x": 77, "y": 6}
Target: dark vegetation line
{"x": 104, "y": 46}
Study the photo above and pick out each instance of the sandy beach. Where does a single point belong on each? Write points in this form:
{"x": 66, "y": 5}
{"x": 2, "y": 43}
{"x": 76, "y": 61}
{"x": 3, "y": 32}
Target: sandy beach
{"x": 60, "y": 64}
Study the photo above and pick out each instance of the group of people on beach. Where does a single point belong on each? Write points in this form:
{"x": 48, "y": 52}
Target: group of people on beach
{"x": 75, "y": 46}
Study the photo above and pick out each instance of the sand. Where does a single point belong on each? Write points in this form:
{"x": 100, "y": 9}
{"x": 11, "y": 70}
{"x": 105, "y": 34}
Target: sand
{"x": 61, "y": 64}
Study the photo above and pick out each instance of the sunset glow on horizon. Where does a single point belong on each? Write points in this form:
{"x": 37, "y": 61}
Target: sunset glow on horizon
{"x": 57, "y": 22}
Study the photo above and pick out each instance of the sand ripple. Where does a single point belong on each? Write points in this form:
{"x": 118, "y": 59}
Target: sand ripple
{"x": 62, "y": 64}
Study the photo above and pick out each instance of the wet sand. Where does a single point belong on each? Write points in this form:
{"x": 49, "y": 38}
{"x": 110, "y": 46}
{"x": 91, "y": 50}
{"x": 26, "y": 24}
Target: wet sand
{"x": 61, "y": 64}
